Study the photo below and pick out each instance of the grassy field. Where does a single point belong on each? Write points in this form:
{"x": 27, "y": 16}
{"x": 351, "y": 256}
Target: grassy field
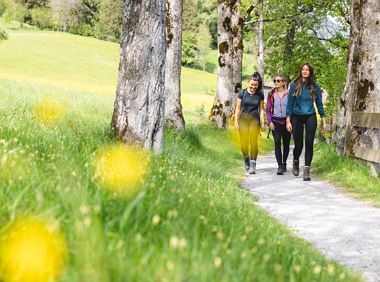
{"x": 187, "y": 221}
{"x": 354, "y": 176}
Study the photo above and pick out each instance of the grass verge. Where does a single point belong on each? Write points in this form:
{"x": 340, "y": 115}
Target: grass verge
{"x": 190, "y": 221}
{"x": 353, "y": 176}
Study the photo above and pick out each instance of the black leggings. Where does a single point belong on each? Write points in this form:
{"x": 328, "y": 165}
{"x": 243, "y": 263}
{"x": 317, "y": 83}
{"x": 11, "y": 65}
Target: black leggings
{"x": 298, "y": 124}
{"x": 249, "y": 129}
{"x": 280, "y": 132}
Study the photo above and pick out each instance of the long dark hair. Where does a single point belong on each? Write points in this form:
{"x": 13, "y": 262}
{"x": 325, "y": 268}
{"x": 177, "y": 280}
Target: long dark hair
{"x": 257, "y": 77}
{"x": 310, "y": 82}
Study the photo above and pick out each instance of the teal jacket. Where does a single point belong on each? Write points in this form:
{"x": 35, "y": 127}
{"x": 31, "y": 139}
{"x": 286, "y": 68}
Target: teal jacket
{"x": 304, "y": 104}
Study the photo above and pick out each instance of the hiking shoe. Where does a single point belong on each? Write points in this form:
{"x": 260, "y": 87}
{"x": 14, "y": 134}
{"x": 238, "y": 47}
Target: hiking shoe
{"x": 306, "y": 173}
{"x": 296, "y": 167}
{"x": 246, "y": 163}
{"x": 284, "y": 168}
{"x": 279, "y": 170}
{"x": 252, "y": 167}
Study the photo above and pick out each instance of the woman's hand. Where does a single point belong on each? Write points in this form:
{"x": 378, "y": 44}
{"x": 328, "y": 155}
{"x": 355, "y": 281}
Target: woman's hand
{"x": 236, "y": 125}
{"x": 262, "y": 127}
{"x": 272, "y": 127}
{"x": 288, "y": 125}
{"x": 324, "y": 126}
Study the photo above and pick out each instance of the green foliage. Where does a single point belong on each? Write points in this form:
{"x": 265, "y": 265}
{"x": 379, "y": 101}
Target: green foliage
{"x": 291, "y": 41}
{"x": 32, "y": 4}
{"x": 14, "y": 11}
{"x": 203, "y": 43}
{"x": 189, "y": 49}
{"x": 3, "y": 33}
{"x": 3, "y": 6}
{"x": 85, "y": 16}
{"x": 42, "y": 18}
{"x": 109, "y": 26}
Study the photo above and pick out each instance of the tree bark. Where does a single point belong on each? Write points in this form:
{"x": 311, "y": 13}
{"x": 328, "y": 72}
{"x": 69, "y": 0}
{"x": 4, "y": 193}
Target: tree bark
{"x": 291, "y": 35}
{"x": 237, "y": 22}
{"x": 173, "y": 108}
{"x": 139, "y": 106}
{"x": 222, "y": 108}
{"x": 260, "y": 40}
{"x": 362, "y": 89}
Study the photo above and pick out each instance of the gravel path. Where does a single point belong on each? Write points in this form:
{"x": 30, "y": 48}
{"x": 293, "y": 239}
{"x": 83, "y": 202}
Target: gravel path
{"x": 343, "y": 228}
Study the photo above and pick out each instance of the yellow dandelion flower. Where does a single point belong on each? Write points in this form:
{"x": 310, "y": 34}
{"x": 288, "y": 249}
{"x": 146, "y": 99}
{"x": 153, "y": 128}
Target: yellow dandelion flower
{"x": 297, "y": 268}
{"x": 174, "y": 242}
{"x": 217, "y": 262}
{"x": 331, "y": 269}
{"x": 156, "y": 219}
{"x": 121, "y": 168}
{"x": 317, "y": 269}
{"x": 31, "y": 252}
{"x": 50, "y": 111}
{"x": 182, "y": 243}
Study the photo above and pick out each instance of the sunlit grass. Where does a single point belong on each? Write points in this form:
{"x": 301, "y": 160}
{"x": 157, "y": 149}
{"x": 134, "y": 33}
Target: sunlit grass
{"x": 354, "y": 176}
{"x": 187, "y": 220}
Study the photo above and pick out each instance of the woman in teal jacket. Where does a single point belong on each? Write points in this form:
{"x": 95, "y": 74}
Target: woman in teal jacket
{"x": 300, "y": 116}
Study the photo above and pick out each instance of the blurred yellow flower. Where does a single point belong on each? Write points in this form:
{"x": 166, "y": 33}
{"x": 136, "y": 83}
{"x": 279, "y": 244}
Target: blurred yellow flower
{"x": 50, "y": 111}
{"x": 121, "y": 168}
{"x": 31, "y": 252}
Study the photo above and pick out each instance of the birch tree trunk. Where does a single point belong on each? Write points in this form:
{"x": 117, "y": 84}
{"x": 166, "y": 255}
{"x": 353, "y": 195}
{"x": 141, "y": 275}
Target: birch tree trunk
{"x": 362, "y": 90}
{"x": 222, "y": 108}
{"x": 260, "y": 40}
{"x": 237, "y": 22}
{"x": 173, "y": 108}
{"x": 139, "y": 106}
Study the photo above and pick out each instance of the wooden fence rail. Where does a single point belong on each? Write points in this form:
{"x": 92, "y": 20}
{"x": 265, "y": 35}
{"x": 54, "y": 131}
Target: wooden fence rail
{"x": 360, "y": 119}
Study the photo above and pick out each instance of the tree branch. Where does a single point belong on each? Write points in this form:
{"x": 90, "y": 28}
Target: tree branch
{"x": 331, "y": 40}
{"x": 249, "y": 11}
{"x": 344, "y": 11}
{"x": 281, "y": 18}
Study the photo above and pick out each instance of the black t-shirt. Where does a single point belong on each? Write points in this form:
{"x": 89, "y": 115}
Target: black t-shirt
{"x": 250, "y": 103}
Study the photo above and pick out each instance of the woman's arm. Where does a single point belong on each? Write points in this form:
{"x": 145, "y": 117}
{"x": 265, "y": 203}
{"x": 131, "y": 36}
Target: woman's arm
{"x": 262, "y": 111}
{"x": 320, "y": 108}
{"x": 289, "y": 106}
{"x": 237, "y": 113}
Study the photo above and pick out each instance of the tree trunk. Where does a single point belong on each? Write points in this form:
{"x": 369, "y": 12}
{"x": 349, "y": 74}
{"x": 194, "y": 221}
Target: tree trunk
{"x": 362, "y": 88}
{"x": 260, "y": 40}
{"x": 222, "y": 109}
{"x": 291, "y": 34}
{"x": 237, "y": 22}
{"x": 173, "y": 108}
{"x": 139, "y": 106}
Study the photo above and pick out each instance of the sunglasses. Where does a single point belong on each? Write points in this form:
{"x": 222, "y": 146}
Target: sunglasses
{"x": 277, "y": 80}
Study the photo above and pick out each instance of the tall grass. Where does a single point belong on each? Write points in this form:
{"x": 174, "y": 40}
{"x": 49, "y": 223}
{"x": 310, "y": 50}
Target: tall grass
{"x": 354, "y": 176}
{"x": 190, "y": 220}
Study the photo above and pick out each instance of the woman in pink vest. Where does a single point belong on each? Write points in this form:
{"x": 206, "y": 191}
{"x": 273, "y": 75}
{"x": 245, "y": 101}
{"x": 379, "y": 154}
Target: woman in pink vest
{"x": 276, "y": 114}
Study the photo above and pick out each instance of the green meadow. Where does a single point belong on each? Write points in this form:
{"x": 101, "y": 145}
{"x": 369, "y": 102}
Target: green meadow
{"x": 189, "y": 219}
